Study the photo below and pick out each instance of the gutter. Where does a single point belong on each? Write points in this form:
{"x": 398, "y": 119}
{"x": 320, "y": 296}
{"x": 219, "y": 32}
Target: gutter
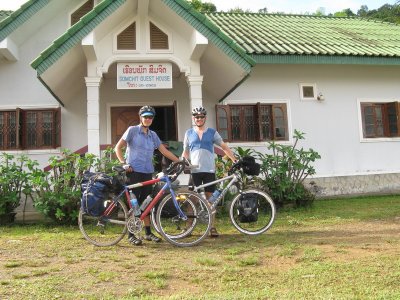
{"x": 50, "y": 91}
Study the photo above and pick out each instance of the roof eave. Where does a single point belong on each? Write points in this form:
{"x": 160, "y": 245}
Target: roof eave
{"x": 20, "y": 16}
{"x": 326, "y": 59}
{"x": 74, "y": 34}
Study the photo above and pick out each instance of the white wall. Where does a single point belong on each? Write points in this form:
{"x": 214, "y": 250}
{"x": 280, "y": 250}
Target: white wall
{"x": 332, "y": 126}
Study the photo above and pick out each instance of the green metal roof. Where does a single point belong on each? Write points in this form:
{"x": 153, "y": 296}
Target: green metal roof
{"x": 211, "y": 32}
{"x": 106, "y": 7}
{"x": 75, "y": 34}
{"x": 271, "y": 38}
{"x": 5, "y": 13}
{"x": 20, "y": 16}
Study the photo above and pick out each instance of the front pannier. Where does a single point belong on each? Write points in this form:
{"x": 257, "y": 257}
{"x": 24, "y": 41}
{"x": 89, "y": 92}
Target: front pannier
{"x": 248, "y": 208}
{"x": 249, "y": 166}
{"x": 95, "y": 188}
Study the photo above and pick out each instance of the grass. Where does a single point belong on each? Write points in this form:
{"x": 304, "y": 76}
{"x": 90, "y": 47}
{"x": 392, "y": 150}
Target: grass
{"x": 338, "y": 249}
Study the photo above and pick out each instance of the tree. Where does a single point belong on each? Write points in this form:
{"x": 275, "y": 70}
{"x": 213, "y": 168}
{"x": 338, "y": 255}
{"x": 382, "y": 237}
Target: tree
{"x": 320, "y": 12}
{"x": 263, "y": 10}
{"x": 203, "y": 7}
{"x": 344, "y": 13}
{"x": 363, "y": 11}
{"x": 239, "y": 10}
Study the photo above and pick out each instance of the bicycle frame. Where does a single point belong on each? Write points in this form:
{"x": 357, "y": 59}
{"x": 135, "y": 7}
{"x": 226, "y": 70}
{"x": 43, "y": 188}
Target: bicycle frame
{"x": 153, "y": 202}
{"x": 233, "y": 179}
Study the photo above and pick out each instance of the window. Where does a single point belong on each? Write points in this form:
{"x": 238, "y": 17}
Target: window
{"x": 380, "y": 119}
{"x": 126, "y": 40}
{"x": 250, "y": 123}
{"x": 81, "y": 11}
{"x": 308, "y": 91}
{"x": 30, "y": 129}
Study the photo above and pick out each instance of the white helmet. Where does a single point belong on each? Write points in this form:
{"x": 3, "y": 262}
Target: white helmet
{"x": 199, "y": 110}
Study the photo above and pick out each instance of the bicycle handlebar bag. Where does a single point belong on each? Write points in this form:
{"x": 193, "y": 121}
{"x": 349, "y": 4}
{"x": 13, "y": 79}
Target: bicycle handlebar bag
{"x": 249, "y": 166}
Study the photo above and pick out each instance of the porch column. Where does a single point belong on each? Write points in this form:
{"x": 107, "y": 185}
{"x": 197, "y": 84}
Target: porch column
{"x": 93, "y": 111}
{"x": 196, "y": 96}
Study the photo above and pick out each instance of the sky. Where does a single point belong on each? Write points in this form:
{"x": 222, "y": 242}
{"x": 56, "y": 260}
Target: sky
{"x": 286, "y": 6}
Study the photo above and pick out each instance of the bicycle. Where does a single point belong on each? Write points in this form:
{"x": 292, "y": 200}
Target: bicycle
{"x": 110, "y": 227}
{"x": 252, "y": 211}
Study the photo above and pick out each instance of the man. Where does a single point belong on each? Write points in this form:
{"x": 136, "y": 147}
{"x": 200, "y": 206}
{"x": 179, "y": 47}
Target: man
{"x": 198, "y": 144}
{"x": 141, "y": 143}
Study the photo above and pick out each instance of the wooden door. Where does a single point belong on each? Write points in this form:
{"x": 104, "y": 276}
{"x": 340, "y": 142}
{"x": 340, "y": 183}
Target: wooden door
{"x": 121, "y": 119}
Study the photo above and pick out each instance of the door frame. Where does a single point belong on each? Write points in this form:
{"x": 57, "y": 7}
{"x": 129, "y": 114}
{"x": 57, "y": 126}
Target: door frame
{"x": 119, "y": 104}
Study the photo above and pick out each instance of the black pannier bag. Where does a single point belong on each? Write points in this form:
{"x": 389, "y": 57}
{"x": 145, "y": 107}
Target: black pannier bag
{"x": 95, "y": 188}
{"x": 249, "y": 166}
{"x": 248, "y": 208}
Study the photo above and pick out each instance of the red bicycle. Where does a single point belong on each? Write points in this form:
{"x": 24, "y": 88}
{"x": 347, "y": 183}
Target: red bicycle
{"x": 183, "y": 219}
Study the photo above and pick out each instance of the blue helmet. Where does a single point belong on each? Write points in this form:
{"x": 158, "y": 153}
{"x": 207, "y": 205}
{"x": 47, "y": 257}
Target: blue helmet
{"x": 147, "y": 111}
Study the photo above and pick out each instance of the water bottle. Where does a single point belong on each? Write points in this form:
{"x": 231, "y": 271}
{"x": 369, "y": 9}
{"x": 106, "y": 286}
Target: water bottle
{"x": 145, "y": 203}
{"x": 135, "y": 204}
{"x": 214, "y": 196}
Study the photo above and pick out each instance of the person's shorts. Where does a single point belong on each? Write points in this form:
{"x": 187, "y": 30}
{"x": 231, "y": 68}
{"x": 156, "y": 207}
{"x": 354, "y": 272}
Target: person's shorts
{"x": 202, "y": 178}
{"x": 141, "y": 192}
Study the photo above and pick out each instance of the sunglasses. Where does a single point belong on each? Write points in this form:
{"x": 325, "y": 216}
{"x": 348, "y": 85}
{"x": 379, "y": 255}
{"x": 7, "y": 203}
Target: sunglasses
{"x": 148, "y": 117}
{"x": 199, "y": 117}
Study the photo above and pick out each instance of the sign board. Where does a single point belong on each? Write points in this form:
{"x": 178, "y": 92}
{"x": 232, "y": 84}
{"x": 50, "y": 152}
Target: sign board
{"x": 144, "y": 76}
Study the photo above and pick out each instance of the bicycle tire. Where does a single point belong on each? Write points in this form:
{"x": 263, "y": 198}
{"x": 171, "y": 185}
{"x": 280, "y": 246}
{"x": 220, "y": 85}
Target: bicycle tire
{"x": 105, "y": 231}
{"x": 266, "y": 213}
{"x": 179, "y": 232}
{"x": 175, "y": 235}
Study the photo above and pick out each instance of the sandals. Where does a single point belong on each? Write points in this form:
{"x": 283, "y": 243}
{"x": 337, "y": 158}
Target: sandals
{"x": 134, "y": 240}
{"x": 214, "y": 232}
{"x": 152, "y": 237}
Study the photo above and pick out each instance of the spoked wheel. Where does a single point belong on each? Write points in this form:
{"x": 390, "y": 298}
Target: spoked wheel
{"x": 105, "y": 231}
{"x": 176, "y": 230}
{"x": 252, "y": 212}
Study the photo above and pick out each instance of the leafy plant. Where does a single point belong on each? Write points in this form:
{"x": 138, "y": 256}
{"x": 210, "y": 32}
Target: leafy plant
{"x": 285, "y": 169}
{"x": 14, "y": 181}
{"x": 58, "y": 191}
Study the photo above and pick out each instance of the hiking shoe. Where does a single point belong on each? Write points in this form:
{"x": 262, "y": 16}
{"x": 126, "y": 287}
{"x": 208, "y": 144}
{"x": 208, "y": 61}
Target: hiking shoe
{"x": 152, "y": 237}
{"x": 134, "y": 240}
{"x": 214, "y": 232}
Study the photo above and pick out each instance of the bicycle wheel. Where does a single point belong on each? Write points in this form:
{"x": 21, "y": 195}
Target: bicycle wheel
{"x": 183, "y": 228}
{"x": 179, "y": 232}
{"x": 252, "y": 212}
{"x": 105, "y": 230}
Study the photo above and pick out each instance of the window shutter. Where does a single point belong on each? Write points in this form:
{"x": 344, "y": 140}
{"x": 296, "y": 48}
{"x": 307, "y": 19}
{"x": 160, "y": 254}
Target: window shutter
{"x": 279, "y": 122}
{"x": 391, "y": 119}
{"x": 81, "y": 11}
{"x": 57, "y": 129}
{"x": 21, "y": 128}
{"x": 126, "y": 40}
{"x": 258, "y": 122}
{"x": 158, "y": 39}
{"x": 224, "y": 122}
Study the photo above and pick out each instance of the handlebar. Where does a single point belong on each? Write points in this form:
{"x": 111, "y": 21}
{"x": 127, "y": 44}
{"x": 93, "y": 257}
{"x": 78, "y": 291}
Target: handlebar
{"x": 237, "y": 165}
{"x": 174, "y": 169}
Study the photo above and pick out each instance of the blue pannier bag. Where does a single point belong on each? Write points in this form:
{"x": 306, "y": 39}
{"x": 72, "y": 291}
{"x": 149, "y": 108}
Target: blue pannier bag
{"x": 95, "y": 188}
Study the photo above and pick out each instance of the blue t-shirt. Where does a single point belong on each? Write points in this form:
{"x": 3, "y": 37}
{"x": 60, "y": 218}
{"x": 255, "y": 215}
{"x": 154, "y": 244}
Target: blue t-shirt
{"x": 140, "y": 148}
{"x": 202, "y": 151}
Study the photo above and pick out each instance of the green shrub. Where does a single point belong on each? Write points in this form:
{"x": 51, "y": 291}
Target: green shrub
{"x": 58, "y": 191}
{"x": 14, "y": 181}
{"x": 284, "y": 171}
